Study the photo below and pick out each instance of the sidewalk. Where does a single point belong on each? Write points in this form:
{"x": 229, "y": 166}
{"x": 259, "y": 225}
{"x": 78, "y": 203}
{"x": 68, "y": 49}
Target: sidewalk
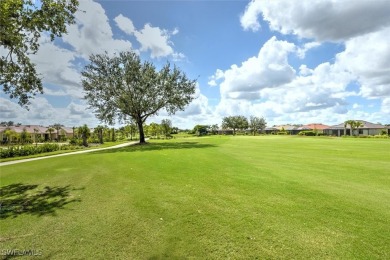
{"x": 65, "y": 154}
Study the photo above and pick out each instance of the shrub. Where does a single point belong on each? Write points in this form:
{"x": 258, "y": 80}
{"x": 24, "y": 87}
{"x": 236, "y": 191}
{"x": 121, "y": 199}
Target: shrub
{"x": 307, "y": 133}
{"x": 15, "y": 151}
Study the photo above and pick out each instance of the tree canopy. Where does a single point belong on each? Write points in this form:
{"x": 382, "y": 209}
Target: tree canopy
{"x": 122, "y": 86}
{"x": 257, "y": 124}
{"x": 21, "y": 25}
{"x": 234, "y": 123}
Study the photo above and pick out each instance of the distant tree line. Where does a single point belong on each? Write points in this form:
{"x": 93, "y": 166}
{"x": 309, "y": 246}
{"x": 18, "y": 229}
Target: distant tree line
{"x": 254, "y": 125}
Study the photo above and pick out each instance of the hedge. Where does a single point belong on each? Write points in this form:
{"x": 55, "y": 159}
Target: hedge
{"x": 26, "y": 150}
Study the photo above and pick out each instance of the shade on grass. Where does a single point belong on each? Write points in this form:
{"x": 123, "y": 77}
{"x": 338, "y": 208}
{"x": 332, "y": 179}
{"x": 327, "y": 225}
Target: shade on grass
{"x": 221, "y": 197}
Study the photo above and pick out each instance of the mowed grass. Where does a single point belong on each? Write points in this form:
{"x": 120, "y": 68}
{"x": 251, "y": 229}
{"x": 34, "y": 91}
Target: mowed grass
{"x": 222, "y": 197}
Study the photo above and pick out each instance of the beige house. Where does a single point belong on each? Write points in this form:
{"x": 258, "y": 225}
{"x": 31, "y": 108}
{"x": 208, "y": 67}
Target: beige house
{"x": 367, "y": 128}
{"x": 36, "y": 132}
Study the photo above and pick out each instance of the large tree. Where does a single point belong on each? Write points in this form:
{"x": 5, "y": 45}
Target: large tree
{"x": 234, "y": 123}
{"x": 21, "y": 25}
{"x": 257, "y": 124}
{"x": 122, "y": 86}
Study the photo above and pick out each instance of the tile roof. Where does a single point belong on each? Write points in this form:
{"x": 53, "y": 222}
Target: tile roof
{"x": 317, "y": 126}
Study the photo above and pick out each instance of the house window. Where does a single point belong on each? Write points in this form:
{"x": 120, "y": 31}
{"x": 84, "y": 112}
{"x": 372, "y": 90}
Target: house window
{"x": 360, "y": 131}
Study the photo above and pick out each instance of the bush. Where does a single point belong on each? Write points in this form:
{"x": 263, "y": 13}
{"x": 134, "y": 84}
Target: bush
{"x": 15, "y": 151}
{"x": 307, "y": 133}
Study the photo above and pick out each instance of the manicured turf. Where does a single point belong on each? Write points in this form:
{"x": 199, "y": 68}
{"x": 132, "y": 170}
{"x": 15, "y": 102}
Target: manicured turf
{"x": 204, "y": 198}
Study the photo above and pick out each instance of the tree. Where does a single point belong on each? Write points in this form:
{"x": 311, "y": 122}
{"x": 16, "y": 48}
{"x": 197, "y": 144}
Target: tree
{"x": 154, "y": 129}
{"x": 234, "y": 123}
{"x": 50, "y": 130}
{"x": 351, "y": 124}
{"x": 132, "y": 129}
{"x": 357, "y": 125}
{"x": 24, "y": 136}
{"x": 22, "y": 22}
{"x": 200, "y": 130}
{"x": 166, "y": 127}
{"x": 257, "y": 124}
{"x": 85, "y": 133}
{"x": 214, "y": 129}
{"x": 99, "y": 131}
{"x": 123, "y": 86}
{"x": 57, "y": 127}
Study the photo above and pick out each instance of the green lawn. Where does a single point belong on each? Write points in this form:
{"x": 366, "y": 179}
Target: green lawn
{"x": 239, "y": 197}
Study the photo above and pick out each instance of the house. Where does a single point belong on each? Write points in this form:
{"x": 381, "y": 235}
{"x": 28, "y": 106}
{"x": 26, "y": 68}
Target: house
{"x": 66, "y": 132}
{"x": 367, "y": 128}
{"x": 271, "y": 130}
{"x": 35, "y": 132}
{"x": 319, "y": 128}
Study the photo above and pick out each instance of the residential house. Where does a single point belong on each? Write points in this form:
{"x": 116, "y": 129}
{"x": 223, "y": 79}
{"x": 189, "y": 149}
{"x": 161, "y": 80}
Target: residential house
{"x": 316, "y": 127}
{"x": 367, "y": 128}
{"x": 36, "y": 132}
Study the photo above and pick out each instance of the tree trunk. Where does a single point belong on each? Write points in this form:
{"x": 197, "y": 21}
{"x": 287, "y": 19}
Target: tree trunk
{"x": 100, "y": 132}
{"x": 141, "y": 132}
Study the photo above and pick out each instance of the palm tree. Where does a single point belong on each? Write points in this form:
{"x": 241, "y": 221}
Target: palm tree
{"x": 351, "y": 124}
{"x": 50, "y": 130}
{"x": 357, "y": 125}
{"x": 99, "y": 131}
{"x": 85, "y": 133}
{"x": 57, "y": 126}
{"x": 345, "y": 128}
{"x": 35, "y": 135}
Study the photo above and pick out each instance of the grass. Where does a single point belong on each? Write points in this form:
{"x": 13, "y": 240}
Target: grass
{"x": 204, "y": 198}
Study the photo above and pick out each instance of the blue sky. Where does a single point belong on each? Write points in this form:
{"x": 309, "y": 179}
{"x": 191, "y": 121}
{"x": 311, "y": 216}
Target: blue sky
{"x": 309, "y": 61}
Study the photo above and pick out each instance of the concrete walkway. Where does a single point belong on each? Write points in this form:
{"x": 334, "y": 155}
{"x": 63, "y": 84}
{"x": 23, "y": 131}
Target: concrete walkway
{"x": 65, "y": 154}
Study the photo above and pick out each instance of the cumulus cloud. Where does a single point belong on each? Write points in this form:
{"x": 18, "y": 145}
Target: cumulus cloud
{"x": 370, "y": 62}
{"x": 42, "y": 112}
{"x": 323, "y": 20}
{"x": 301, "y": 52}
{"x": 322, "y": 92}
{"x": 269, "y": 69}
{"x": 157, "y": 41}
{"x": 125, "y": 24}
{"x": 60, "y": 73}
{"x": 86, "y": 38}
{"x": 9, "y": 110}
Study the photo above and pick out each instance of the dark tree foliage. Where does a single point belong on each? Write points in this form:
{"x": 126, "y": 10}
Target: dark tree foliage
{"x": 21, "y": 25}
{"x": 122, "y": 86}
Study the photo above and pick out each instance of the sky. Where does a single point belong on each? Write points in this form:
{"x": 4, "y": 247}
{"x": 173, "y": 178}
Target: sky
{"x": 291, "y": 62}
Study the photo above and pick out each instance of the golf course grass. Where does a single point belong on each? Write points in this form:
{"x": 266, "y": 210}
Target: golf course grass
{"x": 243, "y": 197}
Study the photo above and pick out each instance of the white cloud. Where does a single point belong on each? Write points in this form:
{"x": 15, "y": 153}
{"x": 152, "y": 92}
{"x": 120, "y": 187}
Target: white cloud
{"x": 249, "y": 20}
{"x": 322, "y": 20}
{"x": 42, "y": 112}
{"x": 9, "y": 110}
{"x": 87, "y": 38}
{"x": 157, "y": 41}
{"x": 269, "y": 69}
{"x": 301, "y": 52}
{"x": 385, "y": 109}
{"x": 368, "y": 57}
{"x": 125, "y": 24}
{"x": 60, "y": 72}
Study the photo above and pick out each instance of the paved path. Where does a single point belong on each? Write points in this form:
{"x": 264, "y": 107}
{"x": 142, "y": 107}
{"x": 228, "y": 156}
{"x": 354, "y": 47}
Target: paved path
{"x": 65, "y": 154}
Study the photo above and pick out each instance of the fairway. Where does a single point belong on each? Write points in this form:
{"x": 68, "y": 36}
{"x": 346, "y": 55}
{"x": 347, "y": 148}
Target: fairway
{"x": 243, "y": 197}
